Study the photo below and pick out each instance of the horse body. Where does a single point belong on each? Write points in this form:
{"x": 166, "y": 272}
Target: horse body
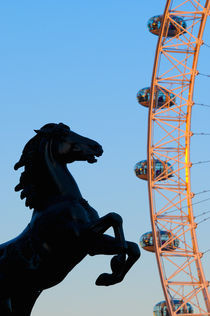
{"x": 63, "y": 229}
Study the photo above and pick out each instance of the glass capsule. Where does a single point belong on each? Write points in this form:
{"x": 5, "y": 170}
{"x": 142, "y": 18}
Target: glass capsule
{"x": 160, "y": 308}
{"x": 161, "y": 170}
{"x": 162, "y": 98}
{"x": 146, "y": 241}
{"x": 171, "y": 30}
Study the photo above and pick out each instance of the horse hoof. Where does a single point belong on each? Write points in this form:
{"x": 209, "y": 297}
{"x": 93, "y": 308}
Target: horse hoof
{"x": 102, "y": 279}
{"x": 106, "y": 279}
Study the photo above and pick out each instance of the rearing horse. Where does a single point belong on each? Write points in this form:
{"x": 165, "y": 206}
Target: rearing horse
{"x": 63, "y": 229}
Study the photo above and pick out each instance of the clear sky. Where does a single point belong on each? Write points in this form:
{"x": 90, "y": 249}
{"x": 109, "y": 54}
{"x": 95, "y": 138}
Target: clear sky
{"x": 82, "y": 63}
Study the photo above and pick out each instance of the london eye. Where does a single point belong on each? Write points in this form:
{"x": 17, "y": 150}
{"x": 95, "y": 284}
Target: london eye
{"x": 167, "y": 168}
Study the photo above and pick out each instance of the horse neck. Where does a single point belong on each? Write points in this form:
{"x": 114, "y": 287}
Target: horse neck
{"x": 62, "y": 178}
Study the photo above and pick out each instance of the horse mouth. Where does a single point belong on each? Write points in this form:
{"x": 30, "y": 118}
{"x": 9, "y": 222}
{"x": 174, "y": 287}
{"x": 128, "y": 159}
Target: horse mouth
{"x": 91, "y": 159}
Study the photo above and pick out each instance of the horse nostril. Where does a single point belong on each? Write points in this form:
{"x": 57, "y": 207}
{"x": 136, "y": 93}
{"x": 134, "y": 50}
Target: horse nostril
{"x": 96, "y": 149}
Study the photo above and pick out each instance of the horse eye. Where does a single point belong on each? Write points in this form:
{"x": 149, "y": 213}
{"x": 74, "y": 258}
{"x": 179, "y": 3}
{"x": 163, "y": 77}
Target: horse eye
{"x": 76, "y": 147}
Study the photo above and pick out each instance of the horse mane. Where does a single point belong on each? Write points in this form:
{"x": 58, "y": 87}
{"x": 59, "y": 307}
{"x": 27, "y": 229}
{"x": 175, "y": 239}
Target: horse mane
{"x": 32, "y": 161}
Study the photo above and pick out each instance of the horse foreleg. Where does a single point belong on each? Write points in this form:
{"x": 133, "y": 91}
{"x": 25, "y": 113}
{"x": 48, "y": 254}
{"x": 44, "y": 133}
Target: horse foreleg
{"x": 120, "y": 265}
{"x": 115, "y": 221}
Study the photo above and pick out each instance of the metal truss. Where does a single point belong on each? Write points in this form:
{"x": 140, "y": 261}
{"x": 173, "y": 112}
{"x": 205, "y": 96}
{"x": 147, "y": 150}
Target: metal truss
{"x": 169, "y": 134}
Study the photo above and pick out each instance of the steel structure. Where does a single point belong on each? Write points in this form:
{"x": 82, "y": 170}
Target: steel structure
{"x": 169, "y": 135}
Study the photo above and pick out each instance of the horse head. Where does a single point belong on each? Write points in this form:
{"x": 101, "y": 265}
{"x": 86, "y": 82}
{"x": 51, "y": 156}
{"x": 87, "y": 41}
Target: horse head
{"x": 45, "y": 157}
{"x": 68, "y": 146}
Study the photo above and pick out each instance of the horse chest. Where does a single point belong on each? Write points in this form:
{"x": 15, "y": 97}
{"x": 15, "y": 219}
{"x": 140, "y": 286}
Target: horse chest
{"x": 76, "y": 213}
{"x": 60, "y": 224}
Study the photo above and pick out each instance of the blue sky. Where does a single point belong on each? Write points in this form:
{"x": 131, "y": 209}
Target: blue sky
{"x": 82, "y": 63}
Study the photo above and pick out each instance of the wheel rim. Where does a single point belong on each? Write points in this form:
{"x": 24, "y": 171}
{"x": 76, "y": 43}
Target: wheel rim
{"x": 174, "y": 211}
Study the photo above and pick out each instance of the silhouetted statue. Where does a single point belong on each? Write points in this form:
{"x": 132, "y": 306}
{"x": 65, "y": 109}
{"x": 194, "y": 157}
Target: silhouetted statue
{"x": 63, "y": 229}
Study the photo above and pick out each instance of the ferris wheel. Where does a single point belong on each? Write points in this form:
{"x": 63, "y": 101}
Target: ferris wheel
{"x": 167, "y": 169}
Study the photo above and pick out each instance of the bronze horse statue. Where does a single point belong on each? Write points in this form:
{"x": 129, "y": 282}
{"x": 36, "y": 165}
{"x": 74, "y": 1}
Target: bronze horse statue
{"x": 63, "y": 229}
